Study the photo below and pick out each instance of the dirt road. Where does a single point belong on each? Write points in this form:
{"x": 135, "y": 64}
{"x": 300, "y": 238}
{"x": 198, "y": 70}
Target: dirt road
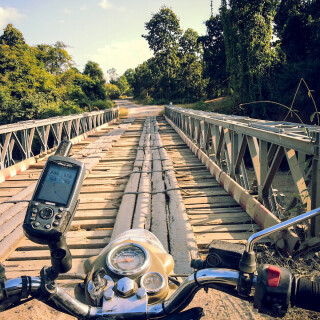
{"x": 138, "y": 110}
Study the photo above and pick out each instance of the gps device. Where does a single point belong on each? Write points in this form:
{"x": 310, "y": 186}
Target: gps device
{"x": 53, "y": 205}
{"x": 55, "y": 200}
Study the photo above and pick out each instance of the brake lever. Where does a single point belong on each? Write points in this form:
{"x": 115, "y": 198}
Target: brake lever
{"x": 247, "y": 265}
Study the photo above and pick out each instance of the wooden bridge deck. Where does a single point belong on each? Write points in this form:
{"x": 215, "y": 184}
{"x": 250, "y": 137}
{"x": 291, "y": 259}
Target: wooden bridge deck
{"x": 213, "y": 214}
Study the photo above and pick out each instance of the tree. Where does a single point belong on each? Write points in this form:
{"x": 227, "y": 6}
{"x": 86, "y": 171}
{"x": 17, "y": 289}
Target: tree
{"x": 191, "y": 83}
{"x": 12, "y": 36}
{"x": 144, "y": 79}
{"x": 297, "y": 25}
{"x": 38, "y": 82}
{"x": 24, "y": 84}
{"x": 163, "y": 38}
{"x": 96, "y": 89}
{"x": 129, "y": 74}
{"x": 122, "y": 84}
{"x": 113, "y": 91}
{"x": 214, "y": 58}
{"x": 112, "y": 74}
{"x": 93, "y": 70}
{"x": 163, "y": 31}
{"x": 72, "y": 85}
{"x": 247, "y": 27}
{"x": 55, "y": 58}
{"x": 189, "y": 43}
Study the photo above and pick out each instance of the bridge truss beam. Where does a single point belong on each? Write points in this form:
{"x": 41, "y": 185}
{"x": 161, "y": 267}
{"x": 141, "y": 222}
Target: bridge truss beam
{"x": 25, "y": 139}
{"x": 239, "y": 144}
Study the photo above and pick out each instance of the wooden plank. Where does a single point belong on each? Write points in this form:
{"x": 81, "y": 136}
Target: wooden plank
{"x": 95, "y": 214}
{"x": 11, "y": 212}
{"x": 218, "y": 219}
{"x": 7, "y": 191}
{"x": 97, "y": 182}
{"x": 19, "y": 196}
{"x": 99, "y": 197}
{"x": 73, "y": 243}
{"x": 10, "y": 225}
{"x": 102, "y": 205}
{"x": 191, "y": 185}
{"x": 208, "y": 200}
{"x": 118, "y": 159}
{"x": 213, "y": 205}
{"x": 102, "y": 188}
{"x": 20, "y": 267}
{"x": 92, "y": 223}
{"x": 45, "y": 254}
{"x": 10, "y": 242}
{"x": 15, "y": 185}
{"x": 225, "y": 228}
{"x": 205, "y": 239}
{"x": 92, "y": 234}
{"x": 215, "y": 210}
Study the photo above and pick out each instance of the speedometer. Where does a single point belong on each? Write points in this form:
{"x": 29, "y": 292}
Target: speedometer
{"x": 128, "y": 259}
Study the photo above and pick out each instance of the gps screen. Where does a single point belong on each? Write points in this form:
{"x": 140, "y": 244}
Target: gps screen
{"x": 57, "y": 184}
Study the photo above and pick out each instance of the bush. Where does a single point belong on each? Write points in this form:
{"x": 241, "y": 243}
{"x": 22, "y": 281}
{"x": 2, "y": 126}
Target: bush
{"x": 101, "y": 104}
{"x": 113, "y": 91}
{"x": 54, "y": 109}
{"x": 200, "y": 105}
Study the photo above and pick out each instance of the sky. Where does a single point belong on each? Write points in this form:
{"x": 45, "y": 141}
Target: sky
{"x": 104, "y": 31}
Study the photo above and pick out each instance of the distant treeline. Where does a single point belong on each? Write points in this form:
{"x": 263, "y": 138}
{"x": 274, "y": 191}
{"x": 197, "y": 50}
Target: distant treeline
{"x": 41, "y": 81}
{"x": 254, "y": 50}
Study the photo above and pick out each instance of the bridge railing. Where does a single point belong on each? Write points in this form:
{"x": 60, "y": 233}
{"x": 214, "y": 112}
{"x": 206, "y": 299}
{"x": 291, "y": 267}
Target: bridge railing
{"x": 255, "y": 153}
{"x": 25, "y": 139}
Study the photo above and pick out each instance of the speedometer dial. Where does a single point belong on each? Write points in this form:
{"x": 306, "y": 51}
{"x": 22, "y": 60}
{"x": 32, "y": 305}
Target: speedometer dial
{"x": 128, "y": 259}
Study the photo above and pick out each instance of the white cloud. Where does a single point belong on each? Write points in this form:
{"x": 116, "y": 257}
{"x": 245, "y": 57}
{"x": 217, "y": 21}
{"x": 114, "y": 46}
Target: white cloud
{"x": 8, "y": 15}
{"x": 105, "y": 4}
{"x": 83, "y": 8}
{"x": 122, "y": 55}
{"x": 67, "y": 11}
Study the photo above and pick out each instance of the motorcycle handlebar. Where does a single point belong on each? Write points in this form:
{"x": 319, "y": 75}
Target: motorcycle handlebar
{"x": 305, "y": 294}
{"x": 22, "y": 286}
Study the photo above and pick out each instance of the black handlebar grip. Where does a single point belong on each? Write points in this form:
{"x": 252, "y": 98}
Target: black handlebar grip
{"x": 64, "y": 148}
{"x": 307, "y": 294}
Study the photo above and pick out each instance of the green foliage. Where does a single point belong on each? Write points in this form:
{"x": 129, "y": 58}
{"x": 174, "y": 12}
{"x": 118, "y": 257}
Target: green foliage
{"x": 250, "y": 56}
{"x": 54, "y": 109}
{"x": 101, "y": 104}
{"x": 55, "y": 58}
{"x": 191, "y": 85}
{"x": 200, "y": 105}
{"x": 214, "y": 58}
{"x": 40, "y": 82}
{"x": 96, "y": 89}
{"x": 175, "y": 71}
{"x": 122, "y": 84}
{"x": 12, "y": 36}
{"x": 163, "y": 31}
{"x": 129, "y": 74}
{"x": 113, "y": 91}
{"x": 297, "y": 25}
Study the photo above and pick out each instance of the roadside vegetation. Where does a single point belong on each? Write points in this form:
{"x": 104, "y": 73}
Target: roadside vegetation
{"x": 253, "y": 51}
{"x": 41, "y": 81}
